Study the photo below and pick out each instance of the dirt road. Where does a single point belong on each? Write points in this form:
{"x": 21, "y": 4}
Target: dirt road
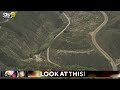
{"x": 93, "y": 35}
{"x": 55, "y": 38}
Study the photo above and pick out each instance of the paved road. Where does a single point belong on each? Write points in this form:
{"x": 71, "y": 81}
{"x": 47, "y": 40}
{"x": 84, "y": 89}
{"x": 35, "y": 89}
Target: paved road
{"x": 93, "y": 35}
{"x": 55, "y": 38}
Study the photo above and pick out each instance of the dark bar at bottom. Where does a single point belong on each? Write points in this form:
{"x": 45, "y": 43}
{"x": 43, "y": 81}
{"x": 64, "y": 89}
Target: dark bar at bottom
{"x": 102, "y": 74}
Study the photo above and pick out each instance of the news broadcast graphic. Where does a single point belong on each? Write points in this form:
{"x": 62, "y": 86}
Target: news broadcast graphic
{"x": 107, "y": 74}
{"x": 63, "y": 74}
{"x": 9, "y": 15}
{"x": 21, "y": 74}
{"x": 34, "y": 74}
{"x": 65, "y": 44}
{"x": 10, "y": 73}
{"x": 59, "y": 74}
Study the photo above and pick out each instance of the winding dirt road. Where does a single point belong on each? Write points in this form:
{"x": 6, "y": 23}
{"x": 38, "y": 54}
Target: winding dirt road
{"x": 48, "y": 49}
{"x": 93, "y": 35}
{"x": 48, "y": 58}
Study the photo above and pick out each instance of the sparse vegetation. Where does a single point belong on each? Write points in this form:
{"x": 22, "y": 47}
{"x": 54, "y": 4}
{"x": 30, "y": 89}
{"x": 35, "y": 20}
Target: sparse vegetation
{"x": 77, "y": 67}
{"x": 26, "y": 34}
{"x": 109, "y": 36}
{"x": 33, "y": 32}
{"x": 94, "y": 60}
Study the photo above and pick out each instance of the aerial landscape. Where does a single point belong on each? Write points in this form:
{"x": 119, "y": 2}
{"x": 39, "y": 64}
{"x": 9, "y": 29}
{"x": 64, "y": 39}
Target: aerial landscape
{"x": 60, "y": 40}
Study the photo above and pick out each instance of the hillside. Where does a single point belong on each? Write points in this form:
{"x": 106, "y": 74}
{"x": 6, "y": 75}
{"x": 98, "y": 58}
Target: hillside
{"x": 28, "y": 33}
{"x": 109, "y": 36}
{"x": 76, "y": 38}
{"x": 25, "y": 39}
